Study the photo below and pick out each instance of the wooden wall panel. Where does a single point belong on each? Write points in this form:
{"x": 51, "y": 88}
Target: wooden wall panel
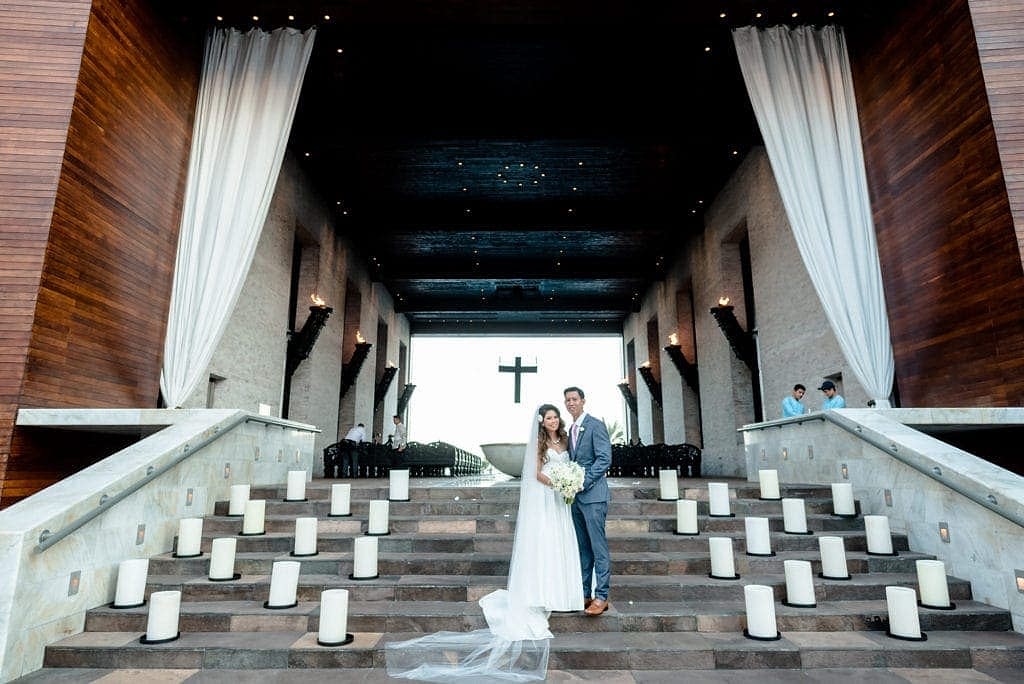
{"x": 40, "y": 51}
{"x": 999, "y": 32}
{"x": 99, "y": 317}
{"x": 949, "y": 254}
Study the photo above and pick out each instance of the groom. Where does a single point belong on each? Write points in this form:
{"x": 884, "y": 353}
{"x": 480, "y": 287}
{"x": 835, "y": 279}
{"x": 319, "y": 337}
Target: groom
{"x": 590, "y": 447}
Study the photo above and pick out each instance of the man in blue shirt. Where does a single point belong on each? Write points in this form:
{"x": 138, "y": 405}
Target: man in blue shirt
{"x": 833, "y": 400}
{"x": 791, "y": 406}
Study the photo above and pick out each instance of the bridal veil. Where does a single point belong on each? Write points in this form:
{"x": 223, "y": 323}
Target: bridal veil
{"x": 515, "y": 646}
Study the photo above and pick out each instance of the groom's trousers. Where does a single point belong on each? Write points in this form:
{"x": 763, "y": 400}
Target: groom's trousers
{"x": 595, "y": 561}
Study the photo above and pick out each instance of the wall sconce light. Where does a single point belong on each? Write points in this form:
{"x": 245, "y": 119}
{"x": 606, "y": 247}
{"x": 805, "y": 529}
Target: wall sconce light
{"x": 189, "y": 497}
{"x": 686, "y": 369}
{"x": 384, "y": 384}
{"x": 627, "y": 394}
{"x": 403, "y": 399}
{"x": 300, "y": 344}
{"x": 653, "y": 386}
{"x": 1019, "y": 574}
{"x": 350, "y": 370}
{"x": 845, "y": 471}
{"x": 740, "y": 340}
{"x": 944, "y": 532}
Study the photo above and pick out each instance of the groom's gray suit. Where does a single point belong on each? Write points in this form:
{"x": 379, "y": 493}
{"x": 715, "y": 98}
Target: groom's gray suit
{"x": 593, "y": 451}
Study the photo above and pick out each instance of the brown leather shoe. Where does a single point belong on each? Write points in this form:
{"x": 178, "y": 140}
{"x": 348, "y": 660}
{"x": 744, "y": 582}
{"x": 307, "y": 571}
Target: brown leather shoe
{"x": 596, "y": 607}
{"x": 587, "y": 601}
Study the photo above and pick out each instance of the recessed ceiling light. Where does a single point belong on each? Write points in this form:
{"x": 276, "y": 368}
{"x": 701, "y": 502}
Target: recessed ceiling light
{"x": 831, "y": 13}
{"x": 570, "y": 211}
{"x": 255, "y": 17}
{"x": 707, "y": 48}
{"x": 465, "y": 189}
{"x": 579, "y": 164}
{"x": 220, "y": 18}
{"x": 521, "y": 165}
{"x": 291, "y": 17}
{"x": 327, "y": 17}
{"x": 722, "y": 15}
{"x": 460, "y": 163}
{"x": 795, "y": 15}
{"x": 307, "y": 154}
{"x": 341, "y": 50}
{"x": 758, "y": 15}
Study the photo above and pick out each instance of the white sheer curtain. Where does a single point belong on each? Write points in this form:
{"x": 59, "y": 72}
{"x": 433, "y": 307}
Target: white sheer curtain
{"x": 247, "y": 97}
{"x": 800, "y": 86}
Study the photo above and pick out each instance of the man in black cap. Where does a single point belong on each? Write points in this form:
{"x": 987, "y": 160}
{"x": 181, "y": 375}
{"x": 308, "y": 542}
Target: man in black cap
{"x": 833, "y": 400}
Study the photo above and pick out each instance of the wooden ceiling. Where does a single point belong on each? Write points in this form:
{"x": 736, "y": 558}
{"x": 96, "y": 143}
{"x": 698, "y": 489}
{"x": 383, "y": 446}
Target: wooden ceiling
{"x": 525, "y": 165}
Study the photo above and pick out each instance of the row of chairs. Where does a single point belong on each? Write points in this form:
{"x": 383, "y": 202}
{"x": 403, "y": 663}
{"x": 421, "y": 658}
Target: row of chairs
{"x": 365, "y": 459}
{"x": 646, "y": 460}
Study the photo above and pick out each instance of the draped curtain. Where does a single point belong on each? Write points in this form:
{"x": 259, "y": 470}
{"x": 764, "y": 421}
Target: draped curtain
{"x": 247, "y": 97}
{"x": 801, "y": 90}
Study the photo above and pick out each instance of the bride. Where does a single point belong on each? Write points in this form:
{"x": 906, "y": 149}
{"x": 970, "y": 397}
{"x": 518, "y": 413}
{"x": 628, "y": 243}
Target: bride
{"x": 543, "y": 576}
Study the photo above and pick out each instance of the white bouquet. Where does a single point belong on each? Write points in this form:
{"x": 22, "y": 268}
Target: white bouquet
{"x": 566, "y": 479}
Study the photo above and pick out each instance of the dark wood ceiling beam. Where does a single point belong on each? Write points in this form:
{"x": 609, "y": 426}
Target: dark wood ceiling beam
{"x": 550, "y": 268}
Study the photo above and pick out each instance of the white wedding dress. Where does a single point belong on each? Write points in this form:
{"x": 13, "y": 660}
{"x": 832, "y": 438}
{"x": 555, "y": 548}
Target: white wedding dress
{"x": 544, "y": 576}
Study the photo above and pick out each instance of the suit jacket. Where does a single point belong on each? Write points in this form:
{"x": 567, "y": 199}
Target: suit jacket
{"x": 593, "y": 451}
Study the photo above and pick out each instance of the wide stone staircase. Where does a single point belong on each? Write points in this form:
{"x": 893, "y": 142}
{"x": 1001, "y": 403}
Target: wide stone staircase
{"x": 449, "y": 545}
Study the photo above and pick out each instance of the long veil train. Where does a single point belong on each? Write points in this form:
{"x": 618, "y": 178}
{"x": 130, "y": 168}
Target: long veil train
{"x": 515, "y": 646}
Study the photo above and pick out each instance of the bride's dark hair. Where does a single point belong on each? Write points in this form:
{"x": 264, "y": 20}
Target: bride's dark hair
{"x": 542, "y": 434}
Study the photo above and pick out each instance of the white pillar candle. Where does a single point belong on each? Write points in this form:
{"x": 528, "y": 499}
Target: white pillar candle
{"x": 333, "y": 616}
{"x": 769, "y": 484}
{"x": 842, "y": 499}
{"x": 399, "y": 485}
{"x": 305, "y": 536}
{"x": 131, "y": 582}
{"x": 255, "y": 512}
{"x": 903, "y": 618}
{"x": 833, "y": 558}
{"x": 932, "y": 583}
{"x": 759, "y": 540}
{"x": 378, "y": 517}
{"x": 669, "y": 481}
{"x": 794, "y": 517}
{"x": 760, "y": 605}
{"x": 722, "y": 564}
{"x": 799, "y": 583}
{"x": 296, "y": 485}
{"x": 239, "y": 495}
{"x": 718, "y": 498}
{"x": 162, "y": 621}
{"x": 190, "y": 536}
{"x": 364, "y": 558}
{"x": 686, "y": 516}
{"x": 222, "y": 558}
{"x": 284, "y": 584}
{"x": 341, "y": 499}
{"x": 879, "y": 537}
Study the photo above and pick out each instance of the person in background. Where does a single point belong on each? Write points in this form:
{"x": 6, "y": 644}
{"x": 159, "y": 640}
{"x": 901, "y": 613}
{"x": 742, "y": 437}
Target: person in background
{"x": 399, "y": 438}
{"x": 350, "y": 450}
{"x": 791, "y": 405}
{"x": 833, "y": 400}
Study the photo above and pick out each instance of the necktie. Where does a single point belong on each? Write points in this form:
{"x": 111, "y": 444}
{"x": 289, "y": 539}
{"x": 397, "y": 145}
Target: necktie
{"x": 574, "y": 432}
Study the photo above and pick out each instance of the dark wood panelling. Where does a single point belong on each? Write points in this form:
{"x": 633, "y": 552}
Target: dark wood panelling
{"x": 40, "y": 50}
{"x": 999, "y": 31}
{"x": 949, "y": 254}
{"x": 99, "y": 314}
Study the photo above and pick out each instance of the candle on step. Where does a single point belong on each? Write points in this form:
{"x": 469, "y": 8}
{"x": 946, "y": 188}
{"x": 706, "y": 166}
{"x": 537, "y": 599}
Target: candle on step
{"x": 833, "y": 558}
{"x": 903, "y": 618}
{"x": 722, "y": 564}
{"x": 879, "y": 537}
{"x": 932, "y": 583}
{"x": 399, "y": 485}
{"x": 794, "y": 518}
{"x": 669, "y": 481}
{"x": 333, "y": 616}
{"x": 842, "y": 499}
{"x": 759, "y": 540}
{"x": 686, "y": 516}
{"x": 222, "y": 558}
{"x": 760, "y": 605}
{"x": 341, "y": 499}
{"x": 131, "y": 582}
{"x": 162, "y": 621}
{"x": 239, "y": 495}
{"x": 769, "y": 484}
{"x": 296, "y": 485}
{"x": 799, "y": 584}
{"x": 284, "y": 584}
{"x": 190, "y": 536}
{"x": 378, "y": 523}
{"x": 255, "y": 512}
{"x": 718, "y": 498}
{"x": 305, "y": 536}
{"x": 364, "y": 557}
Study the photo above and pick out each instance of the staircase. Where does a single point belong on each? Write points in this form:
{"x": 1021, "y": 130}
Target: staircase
{"x": 450, "y": 545}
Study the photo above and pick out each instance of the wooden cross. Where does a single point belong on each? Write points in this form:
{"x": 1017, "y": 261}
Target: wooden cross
{"x": 518, "y": 369}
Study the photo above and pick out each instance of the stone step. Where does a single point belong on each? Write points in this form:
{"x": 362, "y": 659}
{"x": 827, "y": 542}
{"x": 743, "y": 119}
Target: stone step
{"x": 470, "y": 588}
{"x": 436, "y": 563}
{"x": 689, "y": 651}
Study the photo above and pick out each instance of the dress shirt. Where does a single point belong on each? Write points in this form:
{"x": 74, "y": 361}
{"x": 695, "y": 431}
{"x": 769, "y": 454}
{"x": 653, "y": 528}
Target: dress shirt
{"x": 356, "y": 434}
{"x": 791, "y": 406}
{"x": 835, "y": 402}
